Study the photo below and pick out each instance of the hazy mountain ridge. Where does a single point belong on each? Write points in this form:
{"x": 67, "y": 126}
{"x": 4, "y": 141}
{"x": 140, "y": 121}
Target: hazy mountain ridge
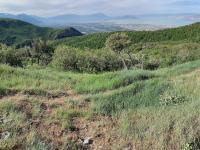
{"x": 64, "y": 19}
{"x": 95, "y": 18}
{"x": 85, "y": 23}
{"x": 15, "y": 31}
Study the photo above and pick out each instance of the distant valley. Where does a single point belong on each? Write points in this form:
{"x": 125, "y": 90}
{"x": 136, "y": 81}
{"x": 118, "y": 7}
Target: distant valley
{"x": 99, "y": 22}
{"x": 87, "y": 28}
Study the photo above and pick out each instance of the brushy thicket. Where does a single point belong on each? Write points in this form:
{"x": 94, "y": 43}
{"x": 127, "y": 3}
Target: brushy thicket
{"x": 147, "y": 50}
{"x": 148, "y": 56}
{"x": 11, "y": 56}
{"x": 68, "y": 58}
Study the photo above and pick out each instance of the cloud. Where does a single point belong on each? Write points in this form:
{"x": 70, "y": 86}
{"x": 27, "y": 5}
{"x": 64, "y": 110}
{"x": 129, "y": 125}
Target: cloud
{"x": 112, "y": 7}
{"x": 187, "y": 3}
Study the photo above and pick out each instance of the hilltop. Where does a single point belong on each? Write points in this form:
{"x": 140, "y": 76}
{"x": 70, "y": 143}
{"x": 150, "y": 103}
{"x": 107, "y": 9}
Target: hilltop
{"x": 97, "y": 40}
{"x": 16, "y": 31}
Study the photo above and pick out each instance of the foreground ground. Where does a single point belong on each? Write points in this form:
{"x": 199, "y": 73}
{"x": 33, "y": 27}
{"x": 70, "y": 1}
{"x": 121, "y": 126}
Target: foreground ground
{"x": 135, "y": 109}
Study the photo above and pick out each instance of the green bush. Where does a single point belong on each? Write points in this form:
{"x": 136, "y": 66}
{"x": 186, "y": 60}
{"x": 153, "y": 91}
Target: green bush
{"x": 168, "y": 99}
{"x": 11, "y": 56}
{"x": 85, "y": 61}
{"x": 194, "y": 145}
{"x": 65, "y": 58}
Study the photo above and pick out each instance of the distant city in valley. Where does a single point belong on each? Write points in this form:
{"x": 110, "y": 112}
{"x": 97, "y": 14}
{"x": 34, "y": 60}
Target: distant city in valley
{"x": 100, "y": 22}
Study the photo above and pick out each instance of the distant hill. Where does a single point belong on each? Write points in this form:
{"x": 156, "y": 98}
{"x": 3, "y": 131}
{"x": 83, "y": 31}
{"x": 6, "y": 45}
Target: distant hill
{"x": 23, "y": 17}
{"x": 15, "y": 31}
{"x": 91, "y": 23}
{"x": 66, "y": 19}
{"x": 97, "y": 40}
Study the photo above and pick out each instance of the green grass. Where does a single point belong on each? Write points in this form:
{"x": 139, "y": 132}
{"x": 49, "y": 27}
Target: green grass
{"x": 174, "y": 126}
{"x": 110, "y": 81}
{"x": 179, "y": 69}
{"x": 133, "y": 97}
{"x": 169, "y": 127}
{"x": 45, "y": 82}
{"x": 17, "y": 127}
{"x": 60, "y": 115}
{"x": 139, "y": 94}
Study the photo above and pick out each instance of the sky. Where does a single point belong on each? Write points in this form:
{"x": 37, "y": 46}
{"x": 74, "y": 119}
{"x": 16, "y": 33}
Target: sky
{"x": 109, "y": 7}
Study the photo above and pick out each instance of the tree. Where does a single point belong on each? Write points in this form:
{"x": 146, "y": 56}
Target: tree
{"x": 136, "y": 58}
{"x": 118, "y": 42}
{"x": 42, "y": 51}
{"x": 11, "y": 56}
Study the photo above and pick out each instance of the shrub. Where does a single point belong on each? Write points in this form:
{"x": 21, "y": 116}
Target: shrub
{"x": 86, "y": 61}
{"x": 65, "y": 58}
{"x": 169, "y": 99}
{"x": 11, "y": 56}
{"x": 194, "y": 145}
{"x": 118, "y": 42}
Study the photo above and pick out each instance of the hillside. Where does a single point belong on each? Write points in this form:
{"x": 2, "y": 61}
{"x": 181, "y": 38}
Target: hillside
{"x": 76, "y": 93}
{"x": 97, "y": 40}
{"x": 135, "y": 109}
{"x": 15, "y": 31}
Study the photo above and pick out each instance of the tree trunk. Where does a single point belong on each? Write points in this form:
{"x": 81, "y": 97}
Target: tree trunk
{"x": 124, "y": 63}
{"x": 38, "y": 60}
{"x": 130, "y": 57}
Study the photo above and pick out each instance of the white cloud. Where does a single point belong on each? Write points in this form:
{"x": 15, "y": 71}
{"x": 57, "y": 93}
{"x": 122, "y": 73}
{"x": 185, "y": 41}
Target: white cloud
{"x": 114, "y": 7}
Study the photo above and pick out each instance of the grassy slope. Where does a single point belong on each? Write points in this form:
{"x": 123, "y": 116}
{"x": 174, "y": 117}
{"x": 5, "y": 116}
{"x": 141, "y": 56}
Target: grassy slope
{"x": 96, "y": 41}
{"x": 133, "y": 97}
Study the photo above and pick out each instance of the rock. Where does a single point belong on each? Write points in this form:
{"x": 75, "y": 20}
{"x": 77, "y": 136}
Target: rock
{"x": 129, "y": 147}
{"x": 73, "y": 129}
{"x": 4, "y": 135}
{"x": 4, "y": 119}
{"x": 73, "y": 137}
{"x": 44, "y": 106}
{"x": 1, "y": 120}
{"x": 88, "y": 141}
{"x": 7, "y": 120}
{"x": 98, "y": 135}
{"x": 80, "y": 141}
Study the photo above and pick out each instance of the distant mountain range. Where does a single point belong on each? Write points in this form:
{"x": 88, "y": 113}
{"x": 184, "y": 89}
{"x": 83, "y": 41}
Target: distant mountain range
{"x": 63, "y": 20}
{"x": 100, "y": 22}
{"x": 23, "y": 17}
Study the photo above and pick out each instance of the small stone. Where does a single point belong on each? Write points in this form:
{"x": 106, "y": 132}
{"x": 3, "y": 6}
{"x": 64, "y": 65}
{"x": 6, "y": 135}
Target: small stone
{"x": 129, "y": 147}
{"x": 5, "y": 135}
{"x": 98, "y": 135}
{"x": 88, "y": 141}
{"x": 73, "y": 129}
{"x": 72, "y": 137}
{"x": 81, "y": 141}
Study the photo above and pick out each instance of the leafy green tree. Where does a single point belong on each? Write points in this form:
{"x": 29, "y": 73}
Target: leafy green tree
{"x": 118, "y": 42}
{"x": 65, "y": 58}
{"x": 11, "y": 56}
{"x": 42, "y": 51}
